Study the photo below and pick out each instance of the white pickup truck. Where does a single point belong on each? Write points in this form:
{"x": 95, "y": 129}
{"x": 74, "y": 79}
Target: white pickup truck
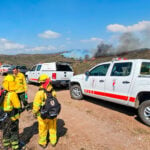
{"x": 125, "y": 82}
{"x": 59, "y": 72}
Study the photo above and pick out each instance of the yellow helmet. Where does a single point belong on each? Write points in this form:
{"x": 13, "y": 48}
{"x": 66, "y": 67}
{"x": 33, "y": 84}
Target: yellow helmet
{"x": 9, "y": 83}
{"x": 43, "y": 77}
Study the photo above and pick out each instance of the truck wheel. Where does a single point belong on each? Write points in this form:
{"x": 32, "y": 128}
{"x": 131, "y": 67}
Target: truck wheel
{"x": 75, "y": 92}
{"x": 144, "y": 112}
{"x": 27, "y": 80}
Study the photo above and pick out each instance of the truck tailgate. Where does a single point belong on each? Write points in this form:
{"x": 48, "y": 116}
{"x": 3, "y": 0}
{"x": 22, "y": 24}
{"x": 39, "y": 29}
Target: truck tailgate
{"x": 60, "y": 75}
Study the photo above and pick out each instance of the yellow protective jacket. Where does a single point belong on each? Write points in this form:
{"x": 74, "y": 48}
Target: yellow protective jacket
{"x": 11, "y": 102}
{"x": 40, "y": 98}
{"x": 21, "y": 85}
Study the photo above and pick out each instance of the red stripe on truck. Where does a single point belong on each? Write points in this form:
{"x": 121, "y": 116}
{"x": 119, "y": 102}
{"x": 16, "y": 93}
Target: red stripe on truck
{"x": 132, "y": 99}
{"x": 54, "y": 76}
{"x": 34, "y": 79}
{"x": 121, "y": 97}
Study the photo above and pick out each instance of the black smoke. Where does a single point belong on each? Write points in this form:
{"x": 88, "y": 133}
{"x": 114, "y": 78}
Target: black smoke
{"x": 126, "y": 42}
{"x": 103, "y": 49}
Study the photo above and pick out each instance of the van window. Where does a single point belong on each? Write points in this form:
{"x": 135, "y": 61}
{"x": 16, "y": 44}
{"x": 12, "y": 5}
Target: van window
{"x": 39, "y": 67}
{"x": 145, "y": 68}
{"x": 121, "y": 69}
{"x": 100, "y": 70}
{"x": 23, "y": 67}
{"x": 61, "y": 67}
{"x": 33, "y": 68}
{"x": 6, "y": 66}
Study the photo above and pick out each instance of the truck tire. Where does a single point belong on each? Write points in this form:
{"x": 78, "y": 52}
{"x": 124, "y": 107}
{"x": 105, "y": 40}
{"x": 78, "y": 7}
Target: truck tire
{"x": 144, "y": 112}
{"x": 76, "y": 92}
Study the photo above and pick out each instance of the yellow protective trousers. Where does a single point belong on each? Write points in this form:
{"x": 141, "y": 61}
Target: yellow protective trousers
{"x": 46, "y": 126}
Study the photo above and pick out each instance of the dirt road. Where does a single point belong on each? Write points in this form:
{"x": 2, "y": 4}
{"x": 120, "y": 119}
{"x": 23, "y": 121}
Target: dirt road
{"x": 89, "y": 124}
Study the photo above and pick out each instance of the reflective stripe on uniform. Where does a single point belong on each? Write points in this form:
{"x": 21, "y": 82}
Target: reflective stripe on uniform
{"x": 6, "y": 142}
{"x": 42, "y": 140}
{"x": 15, "y": 117}
{"x": 15, "y": 147}
{"x": 36, "y": 104}
{"x": 15, "y": 144}
{"x": 53, "y": 135}
{"x": 9, "y": 107}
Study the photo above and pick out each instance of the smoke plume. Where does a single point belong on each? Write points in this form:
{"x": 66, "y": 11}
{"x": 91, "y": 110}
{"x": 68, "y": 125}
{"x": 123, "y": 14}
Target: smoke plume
{"x": 103, "y": 49}
{"x": 135, "y": 37}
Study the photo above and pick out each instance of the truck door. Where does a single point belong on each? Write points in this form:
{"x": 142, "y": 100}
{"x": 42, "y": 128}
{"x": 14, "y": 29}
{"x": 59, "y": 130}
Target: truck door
{"x": 118, "y": 83}
{"x": 38, "y": 71}
{"x": 95, "y": 81}
{"x": 31, "y": 74}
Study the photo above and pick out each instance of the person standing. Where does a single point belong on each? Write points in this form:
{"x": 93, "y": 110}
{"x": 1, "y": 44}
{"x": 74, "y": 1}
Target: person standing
{"x": 11, "y": 106}
{"x": 44, "y": 125}
{"x": 21, "y": 87}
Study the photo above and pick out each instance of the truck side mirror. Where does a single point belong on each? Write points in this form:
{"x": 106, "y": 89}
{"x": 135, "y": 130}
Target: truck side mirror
{"x": 87, "y": 73}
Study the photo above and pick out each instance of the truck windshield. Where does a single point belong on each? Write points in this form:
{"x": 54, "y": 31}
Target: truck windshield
{"x": 63, "y": 67}
{"x": 145, "y": 68}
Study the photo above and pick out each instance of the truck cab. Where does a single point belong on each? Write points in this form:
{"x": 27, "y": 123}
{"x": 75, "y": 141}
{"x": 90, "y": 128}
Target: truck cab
{"x": 125, "y": 82}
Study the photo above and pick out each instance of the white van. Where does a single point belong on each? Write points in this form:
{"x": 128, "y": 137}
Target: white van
{"x": 59, "y": 72}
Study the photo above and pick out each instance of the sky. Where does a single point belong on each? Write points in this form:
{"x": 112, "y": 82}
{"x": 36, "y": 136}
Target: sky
{"x": 49, "y": 26}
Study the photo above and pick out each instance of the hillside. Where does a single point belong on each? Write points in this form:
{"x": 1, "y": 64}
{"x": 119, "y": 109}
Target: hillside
{"x": 82, "y": 66}
{"x": 31, "y": 59}
{"x": 79, "y": 66}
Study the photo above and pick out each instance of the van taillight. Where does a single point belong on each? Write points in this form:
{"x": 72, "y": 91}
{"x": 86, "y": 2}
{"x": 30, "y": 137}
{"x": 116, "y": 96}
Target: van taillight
{"x": 53, "y": 75}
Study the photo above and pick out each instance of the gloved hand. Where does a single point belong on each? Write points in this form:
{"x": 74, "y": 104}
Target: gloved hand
{"x": 26, "y": 96}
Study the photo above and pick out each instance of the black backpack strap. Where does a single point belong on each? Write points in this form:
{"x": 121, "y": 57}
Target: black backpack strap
{"x": 47, "y": 92}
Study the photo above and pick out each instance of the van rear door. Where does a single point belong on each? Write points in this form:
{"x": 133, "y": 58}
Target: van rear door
{"x": 64, "y": 71}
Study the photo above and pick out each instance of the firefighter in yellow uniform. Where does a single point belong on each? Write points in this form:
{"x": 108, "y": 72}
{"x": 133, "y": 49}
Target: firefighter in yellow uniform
{"x": 21, "y": 87}
{"x": 44, "y": 125}
{"x": 10, "y": 106}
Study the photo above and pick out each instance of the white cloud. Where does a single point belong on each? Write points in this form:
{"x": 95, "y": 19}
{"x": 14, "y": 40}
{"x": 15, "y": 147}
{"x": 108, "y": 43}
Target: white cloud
{"x": 9, "y": 45}
{"x": 42, "y": 48}
{"x": 49, "y": 34}
{"x": 92, "y": 39}
{"x": 140, "y": 26}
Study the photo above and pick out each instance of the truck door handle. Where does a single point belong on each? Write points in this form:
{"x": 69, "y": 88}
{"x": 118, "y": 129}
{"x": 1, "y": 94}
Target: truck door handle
{"x": 101, "y": 80}
{"x": 125, "y": 82}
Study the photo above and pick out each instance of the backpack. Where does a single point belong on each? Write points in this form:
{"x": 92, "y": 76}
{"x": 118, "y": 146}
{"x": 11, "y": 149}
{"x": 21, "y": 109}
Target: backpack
{"x": 51, "y": 108}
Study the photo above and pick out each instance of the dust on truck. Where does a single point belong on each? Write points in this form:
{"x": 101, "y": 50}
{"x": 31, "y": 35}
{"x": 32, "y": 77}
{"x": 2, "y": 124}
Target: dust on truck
{"x": 125, "y": 82}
